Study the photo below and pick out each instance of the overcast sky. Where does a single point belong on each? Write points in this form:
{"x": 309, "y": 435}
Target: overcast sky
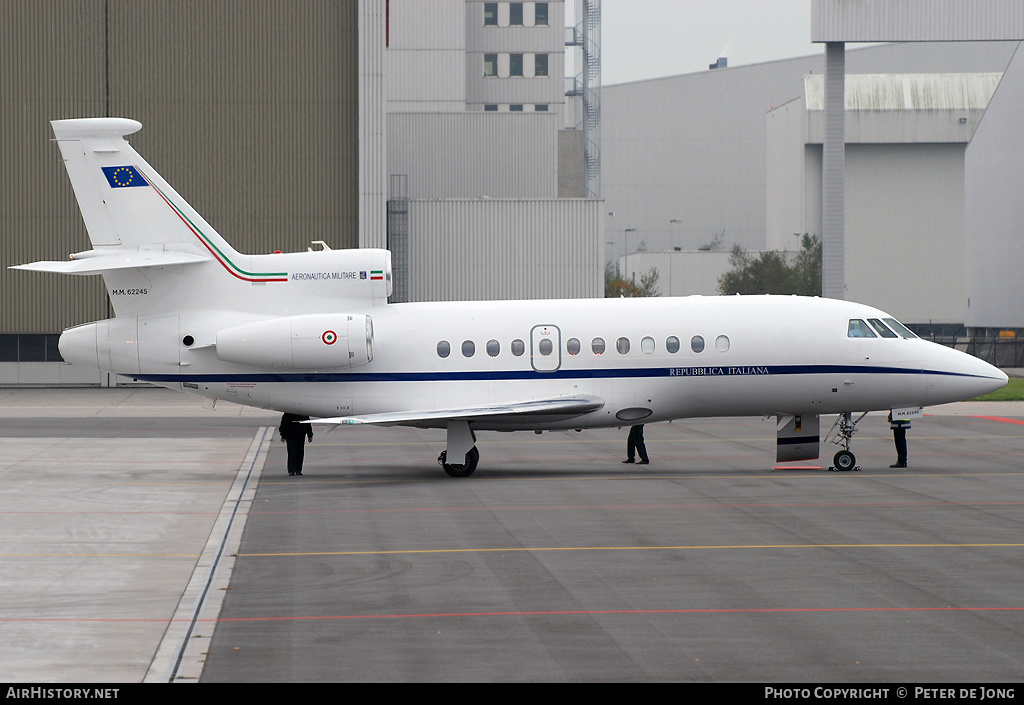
{"x": 643, "y": 39}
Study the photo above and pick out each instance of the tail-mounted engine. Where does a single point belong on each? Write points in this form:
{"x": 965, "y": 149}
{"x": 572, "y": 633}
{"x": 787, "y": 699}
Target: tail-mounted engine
{"x": 314, "y": 342}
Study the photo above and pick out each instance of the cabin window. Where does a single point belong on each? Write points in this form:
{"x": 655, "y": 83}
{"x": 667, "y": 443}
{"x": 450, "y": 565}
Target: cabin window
{"x": 597, "y": 346}
{"x": 881, "y": 329}
{"x": 468, "y": 348}
{"x": 672, "y": 344}
{"x": 900, "y": 328}
{"x": 573, "y": 346}
{"x": 622, "y": 345}
{"x": 545, "y": 347}
{"x": 859, "y": 329}
{"x": 493, "y": 348}
{"x": 647, "y": 345}
{"x": 518, "y": 347}
{"x": 722, "y": 343}
{"x": 697, "y": 344}
{"x": 444, "y": 349}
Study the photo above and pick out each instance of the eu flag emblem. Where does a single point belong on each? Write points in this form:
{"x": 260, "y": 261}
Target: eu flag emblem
{"x": 123, "y": 176}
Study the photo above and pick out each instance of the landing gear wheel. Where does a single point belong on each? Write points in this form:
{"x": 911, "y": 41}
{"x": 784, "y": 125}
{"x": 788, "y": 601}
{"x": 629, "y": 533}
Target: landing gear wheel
{"x": 845, "y": 461}
{"x": 465, "y": 470}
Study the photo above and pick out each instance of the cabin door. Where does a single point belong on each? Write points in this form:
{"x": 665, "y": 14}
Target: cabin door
{"x": 545, "y": 348}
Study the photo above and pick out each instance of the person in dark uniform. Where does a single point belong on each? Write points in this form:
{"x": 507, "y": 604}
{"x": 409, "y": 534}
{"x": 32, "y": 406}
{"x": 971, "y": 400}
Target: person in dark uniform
{"x": 635, "y": 444}
{"x": 899, "y": 436}
{"x": 294, "y": 431}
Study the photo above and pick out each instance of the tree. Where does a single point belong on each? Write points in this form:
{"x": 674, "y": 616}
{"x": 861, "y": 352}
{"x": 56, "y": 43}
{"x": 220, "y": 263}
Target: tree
{"x": 615, "y": 286}
{"x": 770, "y": 272}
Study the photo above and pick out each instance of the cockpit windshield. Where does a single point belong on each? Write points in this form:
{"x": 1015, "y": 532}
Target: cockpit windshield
{"x": 876, "y": 328}
{"x": 899, "y": 328}
{"x": 859, "y": 329}
{"x": 880, "y": 328}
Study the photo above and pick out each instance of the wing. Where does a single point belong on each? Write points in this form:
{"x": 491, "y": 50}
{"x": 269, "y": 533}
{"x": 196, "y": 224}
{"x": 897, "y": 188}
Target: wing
{"x": 545, "y": 410}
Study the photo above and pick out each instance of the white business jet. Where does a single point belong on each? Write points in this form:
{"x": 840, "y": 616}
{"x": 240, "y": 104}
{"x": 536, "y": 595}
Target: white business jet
{"x": 313, "y": 333}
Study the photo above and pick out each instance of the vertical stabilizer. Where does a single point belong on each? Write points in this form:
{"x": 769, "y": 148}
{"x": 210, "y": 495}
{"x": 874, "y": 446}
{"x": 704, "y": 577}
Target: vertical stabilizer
{"x": 124, "y": 201}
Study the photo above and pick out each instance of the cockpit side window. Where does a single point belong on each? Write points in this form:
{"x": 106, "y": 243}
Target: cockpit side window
{"x": 899, "y": 328}
{"x": 859, "y": 329}
{"x": 880, "y": 327}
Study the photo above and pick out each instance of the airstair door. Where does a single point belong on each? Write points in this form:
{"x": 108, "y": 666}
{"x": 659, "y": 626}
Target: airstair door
{"x": 545, "y": 348}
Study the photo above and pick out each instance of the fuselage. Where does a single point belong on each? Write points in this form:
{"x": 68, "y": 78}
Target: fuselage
{"x": 646, "y": 359}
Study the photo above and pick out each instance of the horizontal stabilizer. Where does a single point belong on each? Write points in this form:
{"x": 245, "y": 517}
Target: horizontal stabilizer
{"x": 94, "y": 262}
{"x": 565, "y": 407}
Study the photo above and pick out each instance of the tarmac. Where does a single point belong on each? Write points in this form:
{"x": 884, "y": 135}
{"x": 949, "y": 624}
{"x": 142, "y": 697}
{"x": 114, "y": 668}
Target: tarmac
{"x": 149, "y": 537}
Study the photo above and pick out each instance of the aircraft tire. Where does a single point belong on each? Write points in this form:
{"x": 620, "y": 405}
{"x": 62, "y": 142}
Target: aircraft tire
{"x": 465, "y": 470}
{"x": 844, "y": 461}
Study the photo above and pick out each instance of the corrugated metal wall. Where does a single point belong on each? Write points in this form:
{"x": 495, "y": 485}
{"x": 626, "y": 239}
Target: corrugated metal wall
{"x": 475, "y": 154}
{"x": 685, "y": 157}
{"x": 916, "y": 20}
{"x": 993, "y": 212}
{"x": 905, "y": 233}
{"x": 503, "y": 249}
{"x": 249, "y": 107}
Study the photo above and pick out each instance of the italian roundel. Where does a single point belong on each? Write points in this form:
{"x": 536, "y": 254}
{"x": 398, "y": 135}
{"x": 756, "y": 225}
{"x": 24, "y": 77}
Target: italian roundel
{"x": 329, "y": 337}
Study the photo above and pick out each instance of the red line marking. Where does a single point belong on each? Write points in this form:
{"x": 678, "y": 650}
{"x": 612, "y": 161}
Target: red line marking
{"x": 1001, "y": 419}
{"x": 590, "y": 507}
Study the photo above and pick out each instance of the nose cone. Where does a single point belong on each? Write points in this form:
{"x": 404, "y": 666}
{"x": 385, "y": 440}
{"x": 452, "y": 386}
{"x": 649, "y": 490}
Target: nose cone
{"x": 956, "y": 376}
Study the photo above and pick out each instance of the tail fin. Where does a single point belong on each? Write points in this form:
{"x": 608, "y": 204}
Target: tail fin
{"x": 124, "y": 201}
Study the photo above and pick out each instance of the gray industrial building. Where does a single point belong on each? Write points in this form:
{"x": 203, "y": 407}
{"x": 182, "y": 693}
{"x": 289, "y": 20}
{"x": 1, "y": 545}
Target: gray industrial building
{"x": 438, "y": 129}
{"x": 432, "y": 127}
{"x": 739, "y": 151}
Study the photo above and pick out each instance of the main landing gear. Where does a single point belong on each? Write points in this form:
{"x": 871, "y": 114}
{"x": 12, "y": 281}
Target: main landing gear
{"x": 844, "y": 460}
{"x": 461, "y": 444}
{"x": 464, "y": 470}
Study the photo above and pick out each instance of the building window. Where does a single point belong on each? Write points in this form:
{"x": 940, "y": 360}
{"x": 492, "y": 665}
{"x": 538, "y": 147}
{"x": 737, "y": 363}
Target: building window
{"x": 541, "y": 108}
{"x": 540, "y": 65}
{"x": 490, "y": 14}
{"x": 540, "y": 13}
{"x": 515, "y": 14}
{"x": 490, "y": 108}
{"x": 515, "y": 108}
{"x": 515, "y": 64}
{"x": 29, "y": 347}
{"x": 490, "y": 65}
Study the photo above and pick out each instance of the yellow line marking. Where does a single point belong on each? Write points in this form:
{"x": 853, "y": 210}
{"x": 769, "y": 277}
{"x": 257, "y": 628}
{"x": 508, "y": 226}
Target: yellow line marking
{"x": 631, "y": 548}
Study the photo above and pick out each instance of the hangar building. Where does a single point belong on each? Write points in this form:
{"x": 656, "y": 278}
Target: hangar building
{"x": 433, "y": 127}
{"x": 736, "y": 153}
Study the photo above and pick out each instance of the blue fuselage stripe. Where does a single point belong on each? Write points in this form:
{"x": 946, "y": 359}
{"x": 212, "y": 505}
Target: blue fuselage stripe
{"x": 513, "y": 375}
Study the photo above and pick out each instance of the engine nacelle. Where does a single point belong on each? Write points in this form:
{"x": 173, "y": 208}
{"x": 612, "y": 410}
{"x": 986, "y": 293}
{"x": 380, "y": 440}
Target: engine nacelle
{"x": 313, "y": 342}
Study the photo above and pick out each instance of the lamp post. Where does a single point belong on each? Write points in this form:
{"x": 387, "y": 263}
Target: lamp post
{"x": 625, "y": 245}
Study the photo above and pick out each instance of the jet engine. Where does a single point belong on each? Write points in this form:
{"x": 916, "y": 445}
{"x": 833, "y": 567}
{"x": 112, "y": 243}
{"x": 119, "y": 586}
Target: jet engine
{"x": 313, "y": 342}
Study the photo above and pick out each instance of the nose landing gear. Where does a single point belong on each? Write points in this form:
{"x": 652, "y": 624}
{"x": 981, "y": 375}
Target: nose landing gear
{"x": 844, "y": 460}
